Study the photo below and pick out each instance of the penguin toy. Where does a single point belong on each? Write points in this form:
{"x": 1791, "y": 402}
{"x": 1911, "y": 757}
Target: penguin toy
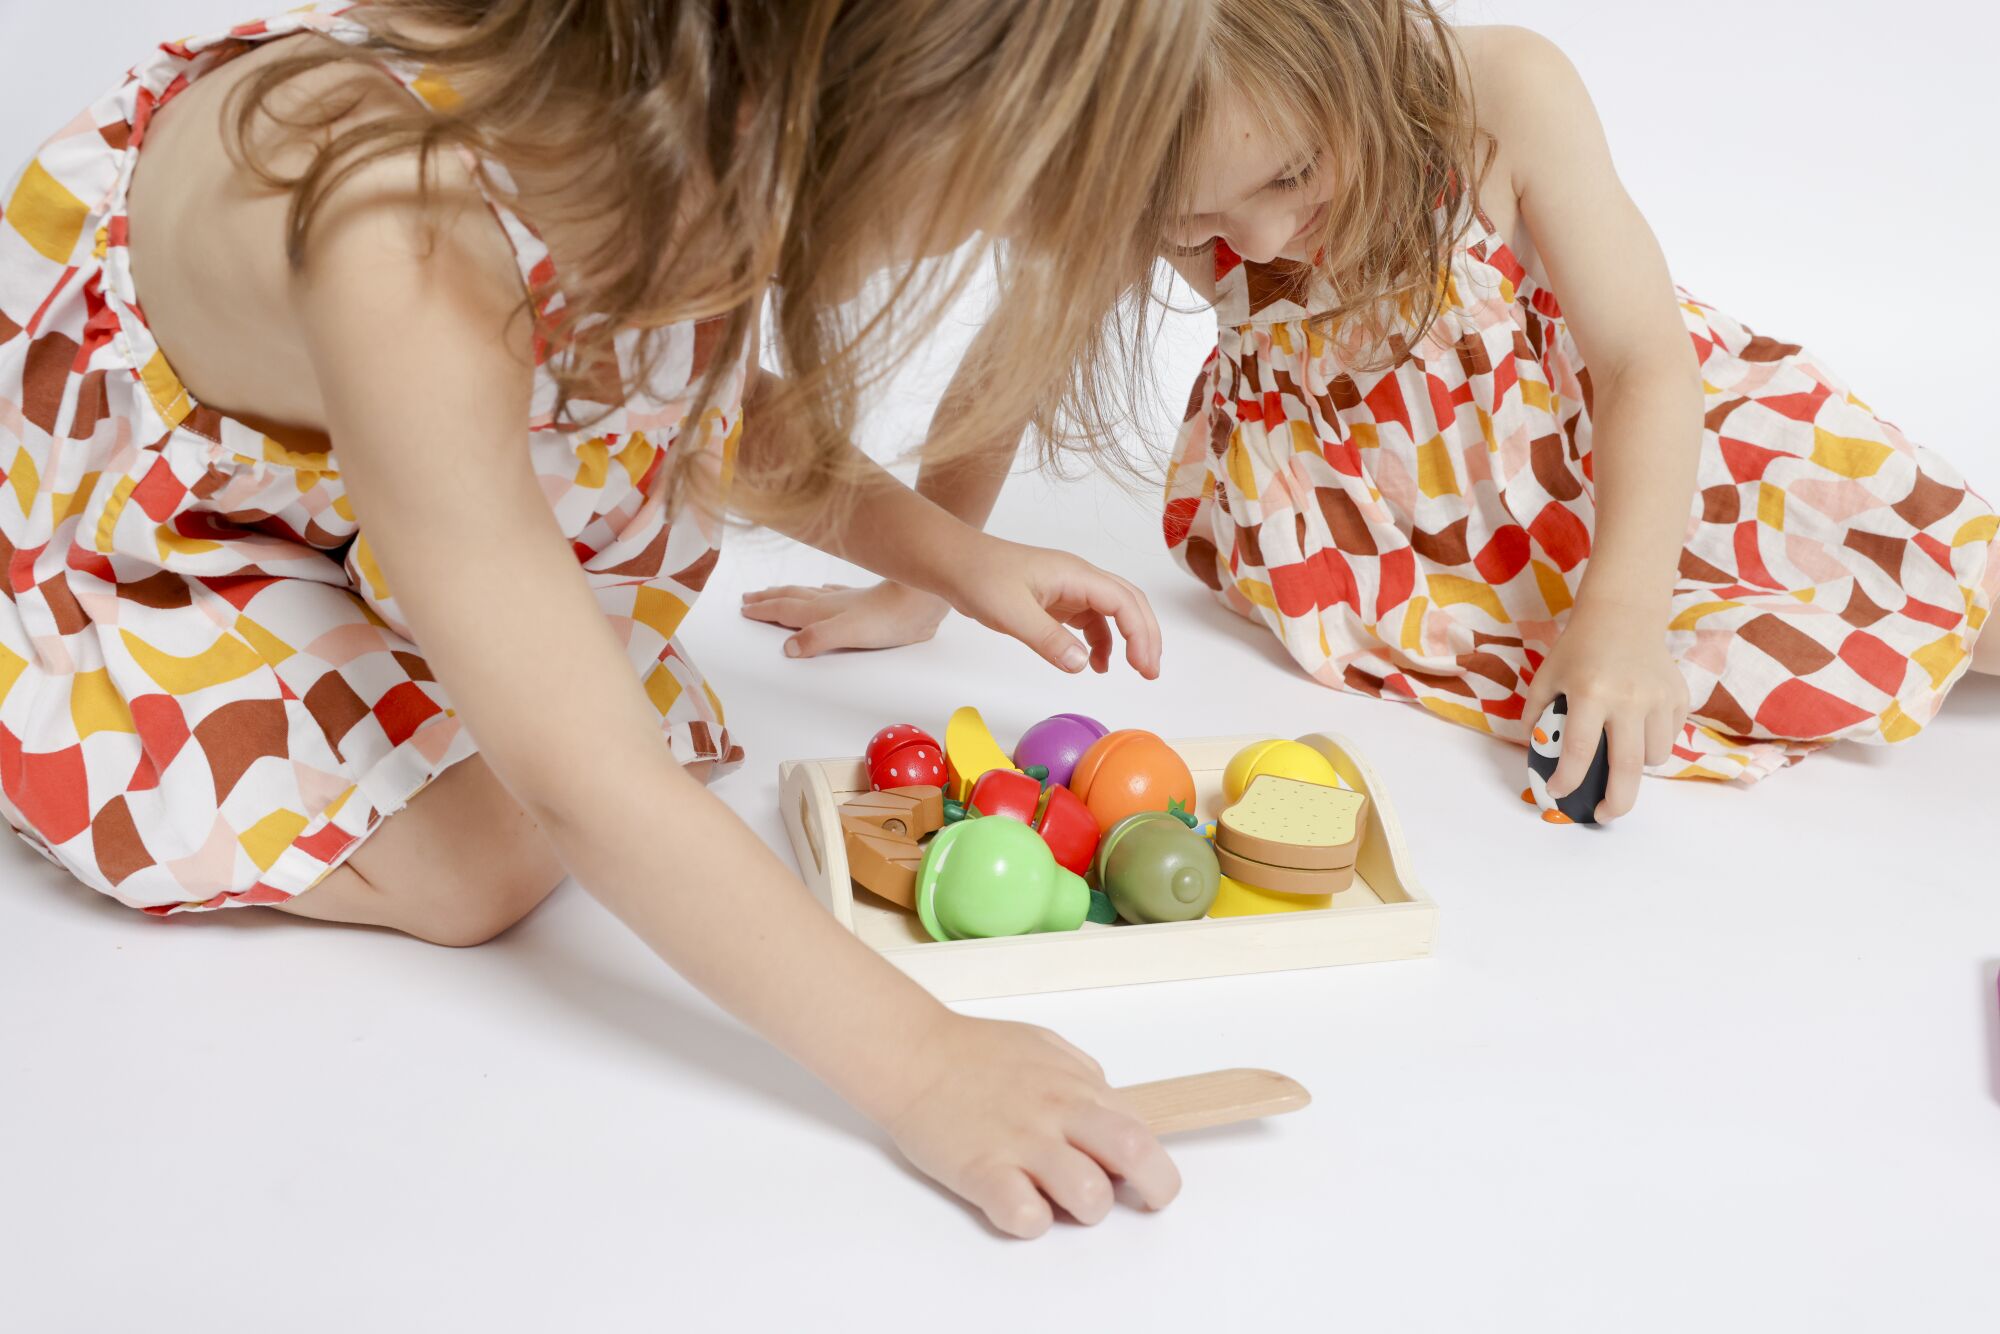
{"x": 1545, "y": 745}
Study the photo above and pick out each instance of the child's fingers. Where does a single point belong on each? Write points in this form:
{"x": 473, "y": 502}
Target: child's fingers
{"x": 789, "y": 612}
{"x": 1582, "y": 730}
{"x": 1097, "y": 632}
{"x": 1124, "y": 1146}
{"x": 823, "y": 636}
{"x": 1662, "y": 727}
{"x": 1010, "y": 1201}
{"x": 1145, "y": 650}
{"x": 1627, "y": 733}
{"x": 1128, "y": 607}
{"x": 1073, "y": 1180}
{"x": 1045, "y": 635}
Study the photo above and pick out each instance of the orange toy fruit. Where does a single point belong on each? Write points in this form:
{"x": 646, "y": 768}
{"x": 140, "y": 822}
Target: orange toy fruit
{"x": 1129, "y": 771}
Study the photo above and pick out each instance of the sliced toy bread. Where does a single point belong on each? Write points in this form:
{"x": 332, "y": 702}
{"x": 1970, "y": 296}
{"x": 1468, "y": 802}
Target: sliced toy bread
{"x": 1303, "y": 826}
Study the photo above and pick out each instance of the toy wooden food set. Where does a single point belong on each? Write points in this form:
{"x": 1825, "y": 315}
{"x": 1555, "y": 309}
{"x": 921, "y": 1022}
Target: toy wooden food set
{"x": 1090, "y": 856}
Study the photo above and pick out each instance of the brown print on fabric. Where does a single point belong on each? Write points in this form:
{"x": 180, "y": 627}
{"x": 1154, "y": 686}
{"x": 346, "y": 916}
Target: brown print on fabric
{"x": 1929, "y": 500}
{"x": 1267, "y": 284}
{"x": 1861, "y": 611}
{"x": 702, "y": 738}
{"x": 1552, "y": 468}
{"x": 205, "y": 422}
{"x": 1583, "y": 385}
{"x": 1761, "y": 349}
{"x": 1719, "y": 414}
{"x": 335, "y": 707}
{"x": 1344, "y": 521}
{"x": 1723, "y": 710}
{"x": 707, "y": 337}
{"x": 63, "y": 607}
{"x": 1884, "y": 550}
{"x": 1480, "y": 639}
{"x": 413, "y": 666}
{"x": 211, "y": 481}
{"x": 1695, "y": 570}
{"x": 1450, "y": 684}
{"x": 1343, "y": 393}
{"x": 1250, "y": 544}
{"x": 115, "y": 843}
{"x": 164, "y": 591}
{"x": 1357, "y": 680}
{"x": 9, "y": 330}
{"x": 1197, "y": 398}
{"x": 696, "y": 574}
{"x": 239, "y": 734}
{"x": 1473, "y": 357}
{"x": 1536, "y": 332}
{"x": 1201, "y": 560}
{"x": 1445, "y": 547}
{"x": 1796, "y": 651}
{"x": 45, "y": 378}
{"x": 1722, "y": 503}
{"x": 93, "y": 405}
{"x": 645, "y": 565}
{"x": 1491, "y": 666}
{"x": 117, "y": 134}
{"x": 1221, "y": 426}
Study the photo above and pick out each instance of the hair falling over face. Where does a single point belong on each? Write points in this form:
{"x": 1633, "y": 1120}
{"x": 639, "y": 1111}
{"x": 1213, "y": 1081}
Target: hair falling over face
{"x": 721, "y": 149}
{"x": 1374, "y": 91}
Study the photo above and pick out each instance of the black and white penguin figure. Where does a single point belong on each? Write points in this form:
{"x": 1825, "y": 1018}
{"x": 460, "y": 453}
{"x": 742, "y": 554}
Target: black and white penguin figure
{"x": 1545, "y": 745}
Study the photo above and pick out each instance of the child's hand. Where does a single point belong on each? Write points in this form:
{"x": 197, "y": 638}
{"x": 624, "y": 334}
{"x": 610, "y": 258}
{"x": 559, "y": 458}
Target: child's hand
{"x": 1031, "y": 593}
{"x": 1613, "y": 665}
{"x": 834, "y": 616}
{"x": 1014, "y": 1119}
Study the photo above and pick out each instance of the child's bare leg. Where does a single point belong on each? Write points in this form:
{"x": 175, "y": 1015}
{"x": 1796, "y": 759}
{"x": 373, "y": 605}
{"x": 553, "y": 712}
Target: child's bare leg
{"x": 1986, "y": 652}
{"x": 457, "y": 866}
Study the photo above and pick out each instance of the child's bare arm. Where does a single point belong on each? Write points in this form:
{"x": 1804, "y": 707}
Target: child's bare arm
{"x": 427, "y": 405}
{"x": 1604, "y": 260}
{"x": 928, "y": 547}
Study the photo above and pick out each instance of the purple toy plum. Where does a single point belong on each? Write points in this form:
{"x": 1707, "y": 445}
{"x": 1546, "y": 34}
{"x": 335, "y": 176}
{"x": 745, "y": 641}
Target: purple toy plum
{"x": 1056, "y": 744}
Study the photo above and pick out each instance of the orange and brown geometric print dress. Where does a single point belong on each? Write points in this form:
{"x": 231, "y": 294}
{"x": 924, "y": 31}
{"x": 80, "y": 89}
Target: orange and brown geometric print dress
{"x": 1418, "y": 533}
{"x": 207, "y": 696}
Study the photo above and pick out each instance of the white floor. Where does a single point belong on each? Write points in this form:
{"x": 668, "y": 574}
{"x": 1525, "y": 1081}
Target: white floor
{"x": 1733, "y": 1065}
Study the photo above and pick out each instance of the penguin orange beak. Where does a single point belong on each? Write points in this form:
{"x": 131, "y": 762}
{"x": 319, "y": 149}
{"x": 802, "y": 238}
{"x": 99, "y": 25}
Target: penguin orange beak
{"x": 1541, "y": 737}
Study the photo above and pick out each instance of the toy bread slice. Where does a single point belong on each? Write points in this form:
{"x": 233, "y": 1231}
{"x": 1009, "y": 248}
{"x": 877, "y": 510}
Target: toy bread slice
{"x": 1304, "y": 826}
{"x": 881, "y": 830}
{"x": 1282, "y": 879}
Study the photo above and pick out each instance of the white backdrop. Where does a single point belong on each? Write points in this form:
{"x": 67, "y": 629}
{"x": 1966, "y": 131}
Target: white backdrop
{"x": 1732, "y": 1065}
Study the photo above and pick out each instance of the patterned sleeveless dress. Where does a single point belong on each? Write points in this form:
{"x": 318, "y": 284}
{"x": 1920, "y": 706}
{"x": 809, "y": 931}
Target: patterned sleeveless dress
{"x": 1418, "y": 533}
{"x": 207, "y": 695}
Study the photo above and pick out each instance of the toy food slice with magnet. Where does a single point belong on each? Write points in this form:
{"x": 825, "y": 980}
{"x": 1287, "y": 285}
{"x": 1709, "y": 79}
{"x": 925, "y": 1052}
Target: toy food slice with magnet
{"x": 993, "y": 876}
{"x": 1130, "y": 771}
{"x": 883, "y": 833}
{"x": 1281, "y": 759}
{"x": 903, "y": 755}
{"x": 1154, "y": 868}
{"x": 1233, "y": 898}
{"x": 1303, "y": 826}
{"x": 969, "y": 752}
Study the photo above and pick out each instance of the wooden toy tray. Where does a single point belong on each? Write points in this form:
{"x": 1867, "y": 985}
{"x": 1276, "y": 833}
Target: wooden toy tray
{"x": 1383, "y": 915}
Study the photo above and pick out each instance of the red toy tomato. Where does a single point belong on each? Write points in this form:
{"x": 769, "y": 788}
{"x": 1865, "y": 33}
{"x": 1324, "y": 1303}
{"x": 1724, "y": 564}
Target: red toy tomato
{"x": 1006, "y": 792}
{"x": 1131, "y": 771}
{"x": 1069, "y": 829}
{"x": 902, "y": 755}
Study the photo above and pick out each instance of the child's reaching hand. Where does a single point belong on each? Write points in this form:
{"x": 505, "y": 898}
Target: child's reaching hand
{"x": 1612, "y": 663}
{"x": 1010, "y": 1114}
{"x": 1028, "y": 593}
{"x": 836, "y": 616}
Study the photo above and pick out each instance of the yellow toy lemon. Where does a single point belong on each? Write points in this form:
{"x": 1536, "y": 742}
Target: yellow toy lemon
{"x": 1236, "y": 899}
{"x": 1283, "y": 759}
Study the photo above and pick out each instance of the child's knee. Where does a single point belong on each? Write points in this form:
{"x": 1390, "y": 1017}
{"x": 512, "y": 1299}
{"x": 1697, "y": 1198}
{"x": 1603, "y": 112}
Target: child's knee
{"x": 462, "y": 907}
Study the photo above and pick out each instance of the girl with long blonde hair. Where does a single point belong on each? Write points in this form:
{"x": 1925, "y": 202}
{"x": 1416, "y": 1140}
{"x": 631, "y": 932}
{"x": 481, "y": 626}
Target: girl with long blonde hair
{"x": 1462, "y": 443}
{"x": 373, "y": 382}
